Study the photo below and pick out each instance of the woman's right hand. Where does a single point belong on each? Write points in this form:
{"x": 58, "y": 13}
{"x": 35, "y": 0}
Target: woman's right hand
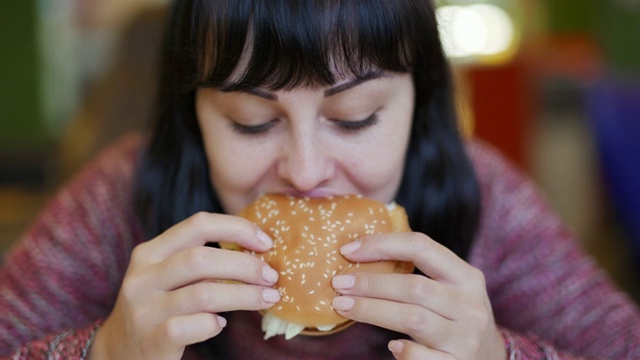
{"x": 174, "y": 287}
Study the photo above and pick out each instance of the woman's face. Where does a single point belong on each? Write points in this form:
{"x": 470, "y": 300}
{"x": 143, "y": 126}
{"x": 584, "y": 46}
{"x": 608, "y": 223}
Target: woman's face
{"x": 350, "y": 138}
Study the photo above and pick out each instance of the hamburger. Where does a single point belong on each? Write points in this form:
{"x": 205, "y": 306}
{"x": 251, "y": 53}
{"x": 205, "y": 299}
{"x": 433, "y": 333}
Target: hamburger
{"x": 307, "y": 234}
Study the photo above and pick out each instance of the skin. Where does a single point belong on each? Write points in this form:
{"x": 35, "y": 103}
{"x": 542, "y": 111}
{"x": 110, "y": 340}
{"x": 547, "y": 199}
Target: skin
{"x": 304, "y": 142}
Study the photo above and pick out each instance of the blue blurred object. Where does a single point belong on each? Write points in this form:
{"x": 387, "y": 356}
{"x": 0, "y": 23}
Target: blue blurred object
{"x": 614, "y": 107}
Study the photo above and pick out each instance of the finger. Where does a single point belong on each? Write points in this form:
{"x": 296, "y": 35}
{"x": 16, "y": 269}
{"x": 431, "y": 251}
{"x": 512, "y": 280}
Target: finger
{"x": 410, "y": 350}
{"x": 424, "y": 326}
{"x": 203, "y": 228}
{"x": 216, "y": 297}
{"x": 204, "y": 263}
{"x": 171, "y": 336}
{"x": 408, "y": 289}
{"x": 430, "y": 257}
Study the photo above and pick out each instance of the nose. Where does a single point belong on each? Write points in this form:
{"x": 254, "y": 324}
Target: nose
{"x": 306, "y": 162}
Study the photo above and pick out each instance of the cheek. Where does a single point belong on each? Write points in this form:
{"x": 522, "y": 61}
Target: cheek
{"x": 235, "y": 170}
{"x": 378, "y": 167}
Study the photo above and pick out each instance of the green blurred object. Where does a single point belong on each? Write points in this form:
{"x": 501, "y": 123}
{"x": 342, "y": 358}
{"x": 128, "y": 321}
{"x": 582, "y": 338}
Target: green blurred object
{"x": 570, "y": 15}
{"x": 618, "y": 29}
{"x": 21, "y": 125}
{"x": 25, "y": 150}
{"x": 615, "y": 24}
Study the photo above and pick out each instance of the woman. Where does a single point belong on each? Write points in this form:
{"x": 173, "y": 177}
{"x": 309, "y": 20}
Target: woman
{"x": 306, "y": 98}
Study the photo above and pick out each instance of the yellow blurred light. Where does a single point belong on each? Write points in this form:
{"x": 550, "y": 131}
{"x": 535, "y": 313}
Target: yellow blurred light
{"x": 481, "y": 32}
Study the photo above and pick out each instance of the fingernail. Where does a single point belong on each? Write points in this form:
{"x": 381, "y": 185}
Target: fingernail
{"x": 270, "y": 295}
{"x": 221, "y": 321}
{"x": 265, "y": 239}
{"x": 395, "y": 347}
{"x": 269, "y": 274}
{"x": 342, "y": 303}
{"x": 350, "y": 248}
{"x": 343, "y": 282}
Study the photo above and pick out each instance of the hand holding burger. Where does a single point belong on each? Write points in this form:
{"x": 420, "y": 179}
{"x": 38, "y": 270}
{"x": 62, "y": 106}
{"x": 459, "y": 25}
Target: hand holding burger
{"x": 308, "y": 233}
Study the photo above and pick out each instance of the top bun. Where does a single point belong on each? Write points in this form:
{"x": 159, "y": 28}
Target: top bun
{"x": 307, "y": 234}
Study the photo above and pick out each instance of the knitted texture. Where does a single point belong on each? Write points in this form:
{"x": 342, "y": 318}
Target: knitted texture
{"x": 539, "y": 279}
{"x": 549, "y": 298}
{"x": 65, "y": 273}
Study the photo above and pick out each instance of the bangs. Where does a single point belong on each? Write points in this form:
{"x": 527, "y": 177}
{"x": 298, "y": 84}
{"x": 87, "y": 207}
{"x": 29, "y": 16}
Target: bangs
{"x": 282, "y": 44}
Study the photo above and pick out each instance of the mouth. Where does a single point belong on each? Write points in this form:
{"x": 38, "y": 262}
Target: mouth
{"x": 315, "y": 193}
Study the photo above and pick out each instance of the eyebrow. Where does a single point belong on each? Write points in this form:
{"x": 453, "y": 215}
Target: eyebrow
{"x": 261, "y": 93}
{"x": 352, "y": 83}
{"x": 327, "y": 93}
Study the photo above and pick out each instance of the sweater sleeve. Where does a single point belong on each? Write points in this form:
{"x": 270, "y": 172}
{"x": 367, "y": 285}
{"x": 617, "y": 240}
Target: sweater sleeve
{"x": 63, "y": 276}
{"x": 549, "y": 297}
{"x": 67, "y": 344}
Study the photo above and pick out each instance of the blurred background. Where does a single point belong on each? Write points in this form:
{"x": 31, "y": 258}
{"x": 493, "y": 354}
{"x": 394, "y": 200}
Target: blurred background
{"x": 554, "y": 84}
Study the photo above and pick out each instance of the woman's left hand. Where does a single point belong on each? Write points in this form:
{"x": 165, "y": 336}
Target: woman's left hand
{"x": 447, "y": 313}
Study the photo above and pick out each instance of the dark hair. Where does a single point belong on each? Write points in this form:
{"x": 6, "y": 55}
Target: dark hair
{"x": 281, "y": 44}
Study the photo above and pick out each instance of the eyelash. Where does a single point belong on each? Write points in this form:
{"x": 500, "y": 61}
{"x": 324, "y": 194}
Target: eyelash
{"x": 253, "y": 129}
{"x": 345, "y": 125}
{"x": 356, "y": 126}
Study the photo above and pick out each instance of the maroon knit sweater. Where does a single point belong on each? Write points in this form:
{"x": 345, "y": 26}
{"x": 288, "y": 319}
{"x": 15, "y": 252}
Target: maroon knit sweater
{"x": 549, "y": 298}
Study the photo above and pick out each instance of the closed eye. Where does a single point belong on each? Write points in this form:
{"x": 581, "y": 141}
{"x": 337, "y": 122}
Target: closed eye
{"x": 355, "y": 126}
{"x": 350, "y": 126}
{"x": 253, "y": 129}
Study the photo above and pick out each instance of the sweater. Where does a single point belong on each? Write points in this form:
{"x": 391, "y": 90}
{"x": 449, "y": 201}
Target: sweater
{"x": 550, "y": 300}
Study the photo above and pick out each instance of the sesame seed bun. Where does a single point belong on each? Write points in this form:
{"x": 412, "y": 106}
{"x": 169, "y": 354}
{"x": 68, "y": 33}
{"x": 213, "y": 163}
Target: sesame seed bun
{"x": 307, "y": 234}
